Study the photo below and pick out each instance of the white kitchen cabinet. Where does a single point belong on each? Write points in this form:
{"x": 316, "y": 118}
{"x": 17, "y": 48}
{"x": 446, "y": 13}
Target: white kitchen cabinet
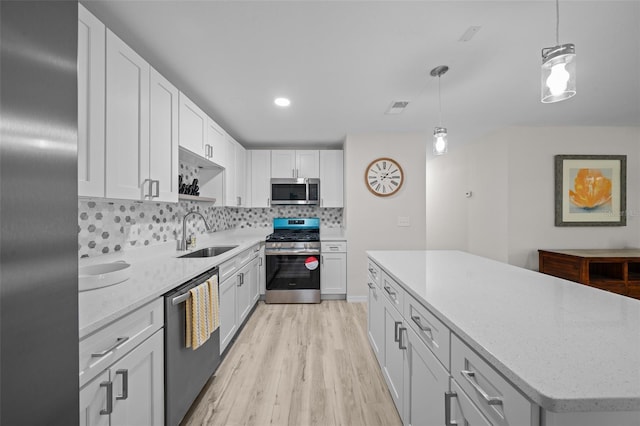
{"x": 241, "y": 175}
{"x": 127, "y": 122}
{"x": 331, "y": 178}
{"x": 394, "y": 355}
{"x": 262, "y": 270}
{"x": 91, "y": 104}
{"x": 163, "y": 141}
{"x": 93, "y": 401}
{"x": 230, "y": 189}
{"x": 425, "y": 381}
{"x": 259, "y": 165}
{"x": 254, "y": 280}
{"x": 228, "y": 311}
{"x": 247, "y": 290}
{"x": 217, "y": 145}
{"x": 375, "y": 320}
{"x": 461, "y": 409}
{"x": 333, "y": 268}
{"x": 295, "y": 164}
{"x": 193, "y": 127}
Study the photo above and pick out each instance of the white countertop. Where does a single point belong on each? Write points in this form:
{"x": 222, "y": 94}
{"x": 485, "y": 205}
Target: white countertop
{"x": 567, "y": 346}
{"x": 332, "y": 234}
{"x": 154, "y": 271}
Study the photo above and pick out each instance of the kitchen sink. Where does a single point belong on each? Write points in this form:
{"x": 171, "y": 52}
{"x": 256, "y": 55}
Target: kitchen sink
{"x": 209, "y": 251}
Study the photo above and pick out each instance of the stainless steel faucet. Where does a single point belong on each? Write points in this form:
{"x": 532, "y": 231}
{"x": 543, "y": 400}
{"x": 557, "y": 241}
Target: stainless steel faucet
{"x": 182, "y": 244}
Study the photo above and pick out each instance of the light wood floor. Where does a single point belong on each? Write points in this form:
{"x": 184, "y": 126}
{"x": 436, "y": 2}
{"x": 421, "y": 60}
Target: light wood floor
{"x": 299, "y": 365}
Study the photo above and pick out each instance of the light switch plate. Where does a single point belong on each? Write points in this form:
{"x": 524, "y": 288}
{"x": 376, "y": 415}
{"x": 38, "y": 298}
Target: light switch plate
{"x": 403, "y": 221}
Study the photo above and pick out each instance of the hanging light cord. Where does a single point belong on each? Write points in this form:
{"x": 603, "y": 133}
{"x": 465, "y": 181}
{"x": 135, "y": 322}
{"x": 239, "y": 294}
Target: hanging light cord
{"x": 439, "y": 104}
{"x": 557, "y": 22}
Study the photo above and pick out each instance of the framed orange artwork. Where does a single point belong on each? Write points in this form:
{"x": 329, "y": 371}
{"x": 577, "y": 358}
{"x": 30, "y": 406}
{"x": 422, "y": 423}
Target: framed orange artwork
{"x": 590, "y": 190}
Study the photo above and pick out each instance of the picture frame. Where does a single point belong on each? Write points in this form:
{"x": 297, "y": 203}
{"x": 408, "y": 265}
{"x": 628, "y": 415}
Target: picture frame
{"x": 590, "y": 190}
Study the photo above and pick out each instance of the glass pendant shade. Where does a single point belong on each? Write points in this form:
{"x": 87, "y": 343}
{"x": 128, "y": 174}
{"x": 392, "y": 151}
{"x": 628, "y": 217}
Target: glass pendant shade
{"x": 558, "y": 77}
{"x": 439, "y": 141}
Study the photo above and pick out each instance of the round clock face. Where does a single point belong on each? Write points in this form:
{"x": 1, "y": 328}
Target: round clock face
{"x": 384, "y": 177}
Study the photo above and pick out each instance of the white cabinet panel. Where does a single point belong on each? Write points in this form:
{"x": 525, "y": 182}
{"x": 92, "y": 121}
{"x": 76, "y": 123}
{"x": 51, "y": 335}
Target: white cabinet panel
{"x": 127, "y": 121}
{"x": 260, "y": 172}
{"x": 193, "y": 126}
{"x": 216, "y": 141}
{"x": 283, "y": 163}
{"x": 228, "y": 311}
{"x": 331, "y": 178}
{"x": 333, "y": 273}
{"x": 94, "y": 400}
{"x": 163, "y": 141}
{"x": 308, "y": 164}
{"x": 241, "y": 175}
{"x": 230, "y": 189}
{"x": 91, "y": 104}
{"x": 394, "y": 356}
{"x": 462, "y": 409}
{"x": 262, "y": 270}
{"x": 375, "y": 321}
{"x": 244, "y": 292}
{"x": 138, "y": 385}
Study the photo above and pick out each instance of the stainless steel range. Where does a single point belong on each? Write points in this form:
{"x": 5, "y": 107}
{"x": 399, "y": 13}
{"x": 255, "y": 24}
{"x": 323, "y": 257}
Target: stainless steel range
{"x": 293, "y": 261}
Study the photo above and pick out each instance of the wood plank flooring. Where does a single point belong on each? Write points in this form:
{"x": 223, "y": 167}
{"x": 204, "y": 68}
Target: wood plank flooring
{"x": 299, "y": 365}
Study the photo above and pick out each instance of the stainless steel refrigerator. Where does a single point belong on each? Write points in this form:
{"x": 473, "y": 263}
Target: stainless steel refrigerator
{"x": 38, "y": 213}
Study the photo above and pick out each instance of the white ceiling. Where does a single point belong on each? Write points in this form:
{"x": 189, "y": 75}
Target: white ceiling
{"x": 342, "y": 63}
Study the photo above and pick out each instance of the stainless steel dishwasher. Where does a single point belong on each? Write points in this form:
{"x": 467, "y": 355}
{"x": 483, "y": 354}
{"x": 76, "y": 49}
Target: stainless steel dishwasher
{"x": 185, "y": 370}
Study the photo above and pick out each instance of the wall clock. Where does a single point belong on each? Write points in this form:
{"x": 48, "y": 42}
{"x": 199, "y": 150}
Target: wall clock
{"x": 384, "y": 177}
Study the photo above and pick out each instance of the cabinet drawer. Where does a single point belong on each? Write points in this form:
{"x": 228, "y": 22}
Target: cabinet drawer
{"x": 430, "y": 329}
{"x": 247, "y": 255}
{"x": 374, "y": 272}
{"x": 393, "y": 291}
{"x": 463, "y": 412}
{"x": 132, "y": 329}
{"x": 334, "y": 246}
{"x": 227, "y": 269}
{"x": 481, "y": 383}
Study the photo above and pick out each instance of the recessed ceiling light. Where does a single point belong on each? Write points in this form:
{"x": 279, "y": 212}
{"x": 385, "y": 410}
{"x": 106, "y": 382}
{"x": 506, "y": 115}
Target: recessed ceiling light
{"x": 282, "y": 102}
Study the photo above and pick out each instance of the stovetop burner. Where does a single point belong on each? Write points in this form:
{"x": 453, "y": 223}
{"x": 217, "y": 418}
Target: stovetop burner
{"x": 294, "y": 236}
{"x": 295, "y": 229}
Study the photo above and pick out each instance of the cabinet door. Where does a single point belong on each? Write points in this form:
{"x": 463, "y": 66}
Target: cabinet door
{"x": 193, "y": 126}
{"x": 262, "y": 271}
{"x": 244, "y": 293}
{"x": 462, "y": 409}
{"x": 241, "y": 177}
{"x": 426, "y": 381}
{"x": 394, "y": 356}
{"x": 255, "y": 281}
{"x": 260, "y": 178}
{"x": 91, "y": 104}
{"x": 163, "y": 129}
{"x": 283, "y": 163}
{"x": 331, "y": 178}
{"x": 375, "y": 322}
{"x": 230, "y": 190}
{"x": 333, "y": 273}
{"x": 228, "y": 309}
{"x": 308, "y": 164}
{"x": 93, "y": 399}
{"x": 138, "y": 385}
{"x": 216, "y": 139}
{"x": 127, "y": 122}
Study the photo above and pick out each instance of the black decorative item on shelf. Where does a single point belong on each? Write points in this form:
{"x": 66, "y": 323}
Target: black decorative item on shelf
{"x": 188, "y": 189}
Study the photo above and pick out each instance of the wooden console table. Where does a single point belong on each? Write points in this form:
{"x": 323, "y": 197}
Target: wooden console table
{"x": 616, "y": 270}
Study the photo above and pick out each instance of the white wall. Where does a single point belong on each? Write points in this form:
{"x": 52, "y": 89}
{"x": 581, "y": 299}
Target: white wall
{"x": 371, "y": 221}
{"x": 511, "y": 175}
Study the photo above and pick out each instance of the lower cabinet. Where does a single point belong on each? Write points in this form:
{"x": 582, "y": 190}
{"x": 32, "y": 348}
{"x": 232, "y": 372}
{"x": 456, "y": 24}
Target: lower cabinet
{"x": 130, "y": 392}
{"x": 375, "y": 321}
{"x": 333, "y": 268}
{"x": 394, "y": 355}
{"x": 228, "y": 311}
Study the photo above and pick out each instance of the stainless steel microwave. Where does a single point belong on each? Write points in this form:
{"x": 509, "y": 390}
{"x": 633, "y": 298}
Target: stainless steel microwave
{"x": 290, "y": 191}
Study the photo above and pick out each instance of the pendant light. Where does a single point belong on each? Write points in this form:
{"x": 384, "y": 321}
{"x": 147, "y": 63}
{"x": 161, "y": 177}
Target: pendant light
{"x": 440, "y": 143}
{"x": 558, "y": 68}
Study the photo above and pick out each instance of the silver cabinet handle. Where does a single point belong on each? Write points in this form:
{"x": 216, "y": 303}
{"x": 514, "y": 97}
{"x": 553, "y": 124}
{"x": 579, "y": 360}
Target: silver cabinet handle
{"x": 125, "y": 383}
{"x": 388, "y": 290}
{"x": 373, "y": 272}
{"x": 119, "y": 341}
{"x": 109, "y": 409}
{"x": 401, "y": 344}
{"x": 268, "y": 201}
{"x": 322, "y": 260}
{"x": 239, "y": 281}
{"x": 157, "y": 194}
{"x": 395, "y": 331}
{"x": 242, "y": 278}
{"x": 447, "y": 408}
{"x": 370, "y": 285}
{"x": 239, "y": 200}
{"x": 418, "y": 322}
{"x": 491, "y": 400}
{"x": 293, "y": 172}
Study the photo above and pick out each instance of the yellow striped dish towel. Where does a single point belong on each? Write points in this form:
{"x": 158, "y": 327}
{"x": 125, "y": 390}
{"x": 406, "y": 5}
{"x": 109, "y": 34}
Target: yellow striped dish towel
{"x": 198, "y": 316}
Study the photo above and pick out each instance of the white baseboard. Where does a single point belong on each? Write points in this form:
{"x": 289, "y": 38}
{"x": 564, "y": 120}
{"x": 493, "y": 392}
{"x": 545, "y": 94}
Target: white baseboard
{"x": 357, "y": 299}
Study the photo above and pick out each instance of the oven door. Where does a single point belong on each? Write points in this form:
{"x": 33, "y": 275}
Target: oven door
{"x": 293, "y": 271}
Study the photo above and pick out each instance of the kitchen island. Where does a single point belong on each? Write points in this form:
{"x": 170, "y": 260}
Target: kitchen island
{"x": 532, "y": 349}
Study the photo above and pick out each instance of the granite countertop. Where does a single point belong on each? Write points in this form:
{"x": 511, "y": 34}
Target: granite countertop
{"x": 154, "y": 271}
{"x": 568, "y": 347}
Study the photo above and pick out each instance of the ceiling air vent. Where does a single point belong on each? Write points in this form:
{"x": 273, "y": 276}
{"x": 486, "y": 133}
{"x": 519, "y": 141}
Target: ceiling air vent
{"x": 397, "y": 107}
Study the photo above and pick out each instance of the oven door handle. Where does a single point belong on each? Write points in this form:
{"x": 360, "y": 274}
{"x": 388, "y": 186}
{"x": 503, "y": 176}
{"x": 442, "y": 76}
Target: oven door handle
{"x": 291, "y": 252}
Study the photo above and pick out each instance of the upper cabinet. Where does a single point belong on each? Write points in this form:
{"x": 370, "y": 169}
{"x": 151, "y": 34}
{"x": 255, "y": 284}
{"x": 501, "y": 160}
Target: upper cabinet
{"x": 241, "y": 175}
{"x": 91, "y": 81}
{"x": 259, "y": 173}
{"x": 193, "y": 127}
{"x": 163, "y": 141}
{"x": 127, "y": 122}
{"x": 295, "y": 164}
{"x": 331, "y": 178}
{"x": 216, "y": 140}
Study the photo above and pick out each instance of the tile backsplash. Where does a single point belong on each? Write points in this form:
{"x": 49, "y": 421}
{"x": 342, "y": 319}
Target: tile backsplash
{"x": 111, "y": 226}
